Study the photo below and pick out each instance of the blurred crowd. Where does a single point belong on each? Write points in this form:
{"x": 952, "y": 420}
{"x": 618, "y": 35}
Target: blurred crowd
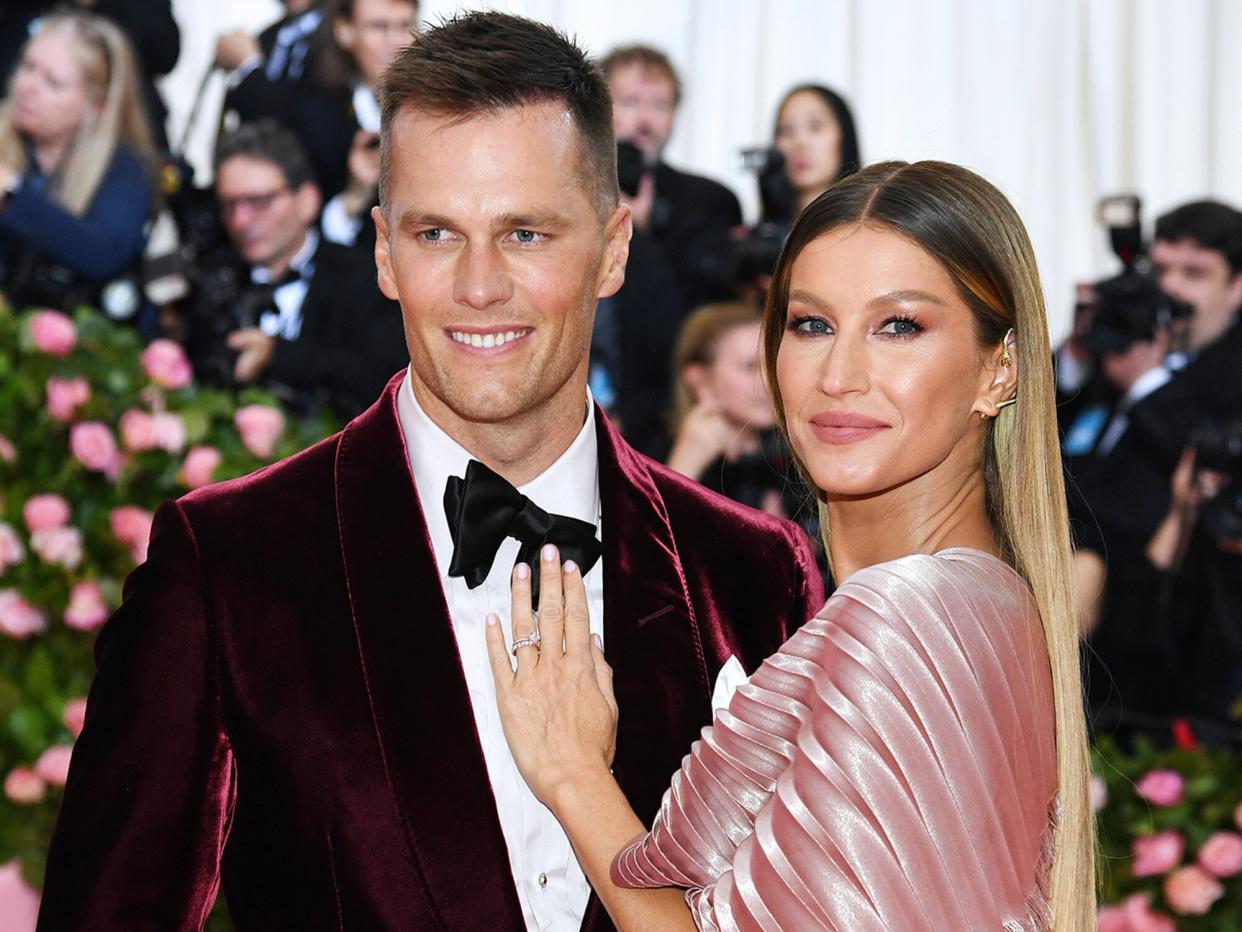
{"x": 268, "y": 278}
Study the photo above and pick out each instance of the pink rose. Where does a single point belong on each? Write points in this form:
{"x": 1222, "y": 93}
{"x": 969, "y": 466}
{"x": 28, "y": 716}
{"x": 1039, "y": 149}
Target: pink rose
{"x": 1191, "y": 891}
{"x": 53, "y": 765}
{"x": 19, "y": 902}
{"x": 24, "y": 787}
{"x": 166, "y": 364}
{"x": 169, "y": 431}
{"x": 62, "y": 545}
{"x": 200, "y": 466}
{"x": 1134, "y": 915}
{"x": 74, "y": 716}
{"x": 132, "y": 527}
{"x": 53, "y": 333}
{"x": 1221, "y": 855}
{"x": 260, "y": 427}
{"x": 1156, "y": 854}
{"x": 1162, "y": 787}
{"x": 87, "y": 609}
{"x": 18, "y": 618}
{"x": 1099, "y": 793}
{"x": 8, "y": 452}
{"x": 93, "y": 445}
{"x": 11, "y": 549}
{"x": 64, "y": 396}
{"x": 137, "y": 430}
{"x": 45, "y": 512}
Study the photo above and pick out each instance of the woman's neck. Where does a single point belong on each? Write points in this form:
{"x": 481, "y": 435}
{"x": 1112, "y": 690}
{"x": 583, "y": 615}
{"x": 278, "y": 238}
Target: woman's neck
{"x": 49, "y": 155}
{"x": 805, "y": 197}
{"x": 926, "y": 515}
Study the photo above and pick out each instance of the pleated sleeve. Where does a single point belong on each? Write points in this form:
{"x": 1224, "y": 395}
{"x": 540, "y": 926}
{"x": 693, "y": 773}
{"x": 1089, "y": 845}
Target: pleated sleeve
{"x": 893, "y": 766}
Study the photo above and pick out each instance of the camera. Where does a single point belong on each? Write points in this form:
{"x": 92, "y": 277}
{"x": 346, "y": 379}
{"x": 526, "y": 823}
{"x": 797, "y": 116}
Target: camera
{"x": 1219, "y": 449}
{"x": 753, "y": 254}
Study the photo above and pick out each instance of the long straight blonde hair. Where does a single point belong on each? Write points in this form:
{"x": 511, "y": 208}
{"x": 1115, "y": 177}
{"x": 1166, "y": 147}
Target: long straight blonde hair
{"x": 967, "y": 225}
{"x": 116, "y": 114}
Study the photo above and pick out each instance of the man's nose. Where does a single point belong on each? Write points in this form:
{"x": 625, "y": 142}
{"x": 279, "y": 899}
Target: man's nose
{"x": 481, "y": 278}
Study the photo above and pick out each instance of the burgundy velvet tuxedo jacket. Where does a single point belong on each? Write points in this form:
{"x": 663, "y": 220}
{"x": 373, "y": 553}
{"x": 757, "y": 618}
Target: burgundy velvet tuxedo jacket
{"x": 279, "y": 702}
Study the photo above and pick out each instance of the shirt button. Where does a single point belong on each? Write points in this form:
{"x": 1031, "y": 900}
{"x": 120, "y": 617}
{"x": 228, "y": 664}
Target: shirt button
{"x": 543, "y": 880}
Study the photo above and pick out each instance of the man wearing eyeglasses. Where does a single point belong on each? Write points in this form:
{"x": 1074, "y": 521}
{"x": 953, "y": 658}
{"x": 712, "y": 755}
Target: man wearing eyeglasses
{"x": 283, "y": 308}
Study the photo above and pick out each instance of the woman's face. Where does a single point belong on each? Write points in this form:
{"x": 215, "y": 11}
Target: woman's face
{"x": 50, "y": 99}
{"x": 809, "y": 136}
{"x": 734, "y": 379}
{"x": 880, "y": 368}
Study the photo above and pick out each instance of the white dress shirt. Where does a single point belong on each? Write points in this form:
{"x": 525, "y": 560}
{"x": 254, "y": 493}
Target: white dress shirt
{"x": 551, "y": 886}
{"x": 285, "y": 322}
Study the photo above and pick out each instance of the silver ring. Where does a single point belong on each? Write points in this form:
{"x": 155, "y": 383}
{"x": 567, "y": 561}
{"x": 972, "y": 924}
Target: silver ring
{"x": 532, "y": 641}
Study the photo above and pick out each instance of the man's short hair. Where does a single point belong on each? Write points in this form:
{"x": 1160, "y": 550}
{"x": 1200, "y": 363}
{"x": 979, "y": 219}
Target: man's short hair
{"x": 267, "y": 141}
{"x": 646, "y": 57}
{"x": 1210, "y": 225}
{"x": 487, "y": 62}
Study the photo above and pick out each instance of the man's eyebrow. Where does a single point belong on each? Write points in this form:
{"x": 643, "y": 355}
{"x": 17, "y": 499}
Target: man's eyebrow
{"x": 416, "y": 218}
{"x": 906, "y": 296}
{"x": 535, "y": 220}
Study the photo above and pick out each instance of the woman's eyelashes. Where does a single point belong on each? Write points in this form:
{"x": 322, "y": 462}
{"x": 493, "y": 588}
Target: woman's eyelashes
{"x": 901, "y": 326}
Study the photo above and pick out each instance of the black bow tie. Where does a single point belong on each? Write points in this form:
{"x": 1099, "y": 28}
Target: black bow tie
{"x": 483, "y": 509}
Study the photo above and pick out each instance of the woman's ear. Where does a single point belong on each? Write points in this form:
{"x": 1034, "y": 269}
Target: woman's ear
{"x": 999, "y": 377}
{"x": 695, "y": 376}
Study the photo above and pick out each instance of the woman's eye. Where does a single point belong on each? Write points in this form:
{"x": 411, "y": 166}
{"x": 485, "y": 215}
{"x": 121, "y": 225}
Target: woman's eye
{"x": 812, "y": 325}
{"x": 901, "y": 327}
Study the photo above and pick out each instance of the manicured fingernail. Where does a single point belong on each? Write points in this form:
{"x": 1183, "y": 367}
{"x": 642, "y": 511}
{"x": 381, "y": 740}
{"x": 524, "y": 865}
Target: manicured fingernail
{"x": 549, "y": 552}
{"x": 570, "y": 566}
{"x": 493, "y": 618}
{"x": 598, "y": 641}
{"x": 522, "y": 571}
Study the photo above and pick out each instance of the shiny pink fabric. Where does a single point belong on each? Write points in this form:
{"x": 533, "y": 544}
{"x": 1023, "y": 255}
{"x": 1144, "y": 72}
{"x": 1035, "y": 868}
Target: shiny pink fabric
{"x": 892, "y": 766}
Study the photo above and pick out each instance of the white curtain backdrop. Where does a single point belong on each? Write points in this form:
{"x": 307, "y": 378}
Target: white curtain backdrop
{"x": 1057, "y": 101}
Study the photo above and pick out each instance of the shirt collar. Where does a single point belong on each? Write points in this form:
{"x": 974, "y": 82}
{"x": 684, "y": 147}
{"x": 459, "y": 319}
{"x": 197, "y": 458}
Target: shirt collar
{"x": 570, "y": 486}
{"x": 1147, "y": 383}
{"x": 300, "y": 264}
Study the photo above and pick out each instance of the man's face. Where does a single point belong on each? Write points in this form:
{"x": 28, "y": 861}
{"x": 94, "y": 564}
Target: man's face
{"x": 493, "y": 246}
{"x": 375, "y": 33}
{"x": 266, "y": 219}
{"x": 643, "y": 104}
{"x": 1201, "y": 278}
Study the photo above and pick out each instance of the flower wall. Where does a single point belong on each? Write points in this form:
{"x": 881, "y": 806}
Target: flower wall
{"x": 95, "y": 432}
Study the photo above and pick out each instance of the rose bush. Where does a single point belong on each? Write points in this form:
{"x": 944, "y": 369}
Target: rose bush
{"x": 95, "y": 432}
{"x": 1170, "y": 852}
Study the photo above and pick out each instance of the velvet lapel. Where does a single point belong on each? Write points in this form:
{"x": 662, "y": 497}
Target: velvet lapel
{"x": 419, "y": 701}
{"x": 651, "y": 635}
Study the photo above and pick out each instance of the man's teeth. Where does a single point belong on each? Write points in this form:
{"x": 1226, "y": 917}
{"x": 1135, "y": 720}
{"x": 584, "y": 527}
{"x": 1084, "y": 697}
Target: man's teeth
{"x": 487, "y": 339}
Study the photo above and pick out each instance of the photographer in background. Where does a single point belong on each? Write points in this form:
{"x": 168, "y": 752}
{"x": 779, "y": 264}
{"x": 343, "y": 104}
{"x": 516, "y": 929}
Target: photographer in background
{"x": 149, "y": 25}
{"x": 687, "y": 217}
{"x": 1194, "y": 578}
{"x": 75, "y": 195}
{"x": 287, "y": 310}
{"x": 267, "y": 71}
{"x": 1197, "y": 258}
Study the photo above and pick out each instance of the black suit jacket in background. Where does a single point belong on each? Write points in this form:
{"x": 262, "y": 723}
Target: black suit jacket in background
{"x": 352, "y": 339}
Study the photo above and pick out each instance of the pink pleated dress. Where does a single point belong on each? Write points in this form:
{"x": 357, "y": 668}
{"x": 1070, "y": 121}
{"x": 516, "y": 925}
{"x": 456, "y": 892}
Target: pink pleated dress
{"x": 892, "y": 766}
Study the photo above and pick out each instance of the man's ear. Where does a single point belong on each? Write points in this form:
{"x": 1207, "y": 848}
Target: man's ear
{"x": 1235, "y": 290}
{"x": 309, "y": 201}
{"x": 998, "y": 378}
{"x": 383, "y": 256}
{"x": 617, "y": 233}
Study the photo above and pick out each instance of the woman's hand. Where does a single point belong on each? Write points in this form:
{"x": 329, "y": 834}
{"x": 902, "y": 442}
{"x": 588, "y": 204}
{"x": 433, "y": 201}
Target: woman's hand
{"x": 703, "y": 437}
{"x": 557, "y": 709}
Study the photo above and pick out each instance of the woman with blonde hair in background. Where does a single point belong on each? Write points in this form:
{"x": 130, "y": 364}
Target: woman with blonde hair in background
{"x": 722, "y": 418}
{"x": 75, "y": 150}
{"x": 915, "y": 756}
